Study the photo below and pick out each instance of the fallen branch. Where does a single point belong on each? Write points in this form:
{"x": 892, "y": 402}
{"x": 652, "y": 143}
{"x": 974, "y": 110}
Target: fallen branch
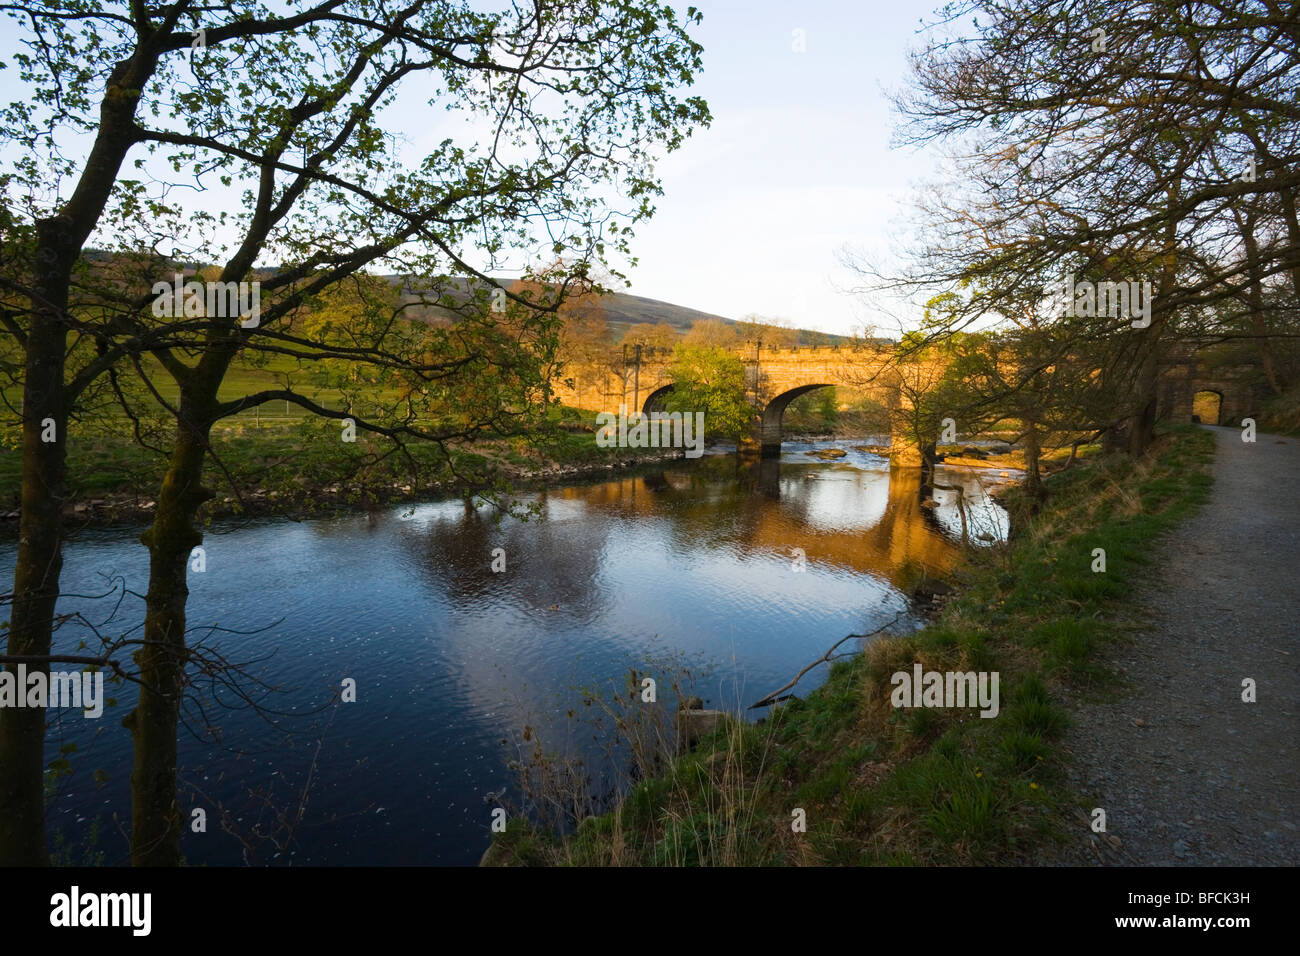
{"x": 821, "y": 660}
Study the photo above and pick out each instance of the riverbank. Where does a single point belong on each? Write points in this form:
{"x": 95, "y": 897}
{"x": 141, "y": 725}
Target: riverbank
{"x": 845, "y": 777}
{"x": 302, "y": 469}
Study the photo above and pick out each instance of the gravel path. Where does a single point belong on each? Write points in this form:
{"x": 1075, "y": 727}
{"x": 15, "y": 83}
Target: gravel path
{"x": 1187, "y": 773}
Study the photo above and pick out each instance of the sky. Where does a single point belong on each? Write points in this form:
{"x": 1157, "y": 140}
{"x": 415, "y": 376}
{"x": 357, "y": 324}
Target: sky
{"x": 796, "y": 167}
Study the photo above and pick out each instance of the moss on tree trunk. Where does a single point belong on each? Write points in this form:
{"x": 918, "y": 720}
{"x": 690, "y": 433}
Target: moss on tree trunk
{"x": 155, "y": 813}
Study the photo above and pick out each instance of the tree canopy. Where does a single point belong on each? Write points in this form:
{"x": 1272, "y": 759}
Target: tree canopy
{"x": 300, "y": 147}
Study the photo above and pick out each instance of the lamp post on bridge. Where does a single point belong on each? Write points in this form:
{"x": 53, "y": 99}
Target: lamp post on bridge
{"x": 636, "y": 375}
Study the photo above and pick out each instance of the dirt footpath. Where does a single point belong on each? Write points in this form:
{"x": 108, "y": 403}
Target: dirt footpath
{"x": 1188, "y": 773}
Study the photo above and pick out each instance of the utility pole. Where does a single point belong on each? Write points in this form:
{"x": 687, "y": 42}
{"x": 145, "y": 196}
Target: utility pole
{"x": 636, "y": 387}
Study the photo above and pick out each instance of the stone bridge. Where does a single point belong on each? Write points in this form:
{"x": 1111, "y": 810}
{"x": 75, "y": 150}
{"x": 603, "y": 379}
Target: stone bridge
{"x": 1237, "y": 390}
{"x": 637, "y": 379}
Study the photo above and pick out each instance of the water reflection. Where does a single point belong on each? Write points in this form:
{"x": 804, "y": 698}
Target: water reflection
{"x": 450, "y": 655}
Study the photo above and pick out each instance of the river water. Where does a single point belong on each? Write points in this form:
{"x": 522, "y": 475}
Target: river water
{"x": 450, "y": 657}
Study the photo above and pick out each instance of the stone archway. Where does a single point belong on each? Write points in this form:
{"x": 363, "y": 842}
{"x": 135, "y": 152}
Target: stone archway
{"x": 770, "y": 426}
{"x": 656, "y": 400}
{"x": 1207, "y": 406}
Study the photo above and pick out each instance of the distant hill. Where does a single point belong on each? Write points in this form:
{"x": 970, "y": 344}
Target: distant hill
{"x": 622, "y": 309}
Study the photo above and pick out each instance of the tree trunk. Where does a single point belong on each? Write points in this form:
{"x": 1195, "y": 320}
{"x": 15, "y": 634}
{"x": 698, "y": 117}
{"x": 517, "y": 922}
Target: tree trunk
{"x": 1033, "y": 451}
{"x": 40, "y": 547}
{"x": 59, "y": 240}
{"x": 1287, "y": 196}
{"x": 1142, "y": 424}
{"x": 1255, "y": 300}
{"x": 155, "y": 813}
{"x": 1115, "y": 439}
{"x": 929, "y": 454}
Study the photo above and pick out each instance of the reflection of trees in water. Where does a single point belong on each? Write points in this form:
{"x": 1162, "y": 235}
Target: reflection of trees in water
{"x": 904, "y": 534}
{"x": 548, "y": 562}
{"x": 741, "y": 506}
{"x": 751, "y": 507}
{"x": 657, "y": 481}
{"x": 978, "y": 517}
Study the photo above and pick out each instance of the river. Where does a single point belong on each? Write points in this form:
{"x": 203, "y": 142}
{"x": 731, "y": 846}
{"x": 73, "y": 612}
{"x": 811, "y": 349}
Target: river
{"x": 450, "y": 657}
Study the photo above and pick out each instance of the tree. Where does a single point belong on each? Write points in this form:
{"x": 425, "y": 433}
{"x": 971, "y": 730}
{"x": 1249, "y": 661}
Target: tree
{"x": 289, "y": 108}
{"x": 711, "y": 380}
{"x": 1036, "y": 373}
{"x": 712, "y": 333}
{"x": 773, "y": 333}
{"x": 583, "y": 348}
{"x": 1107, "y": 143}
{"x": 654, "y": 335}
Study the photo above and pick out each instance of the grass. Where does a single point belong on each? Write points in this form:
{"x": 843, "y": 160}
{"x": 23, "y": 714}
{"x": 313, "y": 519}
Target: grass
{"x": 1281, "y": 415}
{"x": 279, "y": 457}
{"x": 880, "y": 785}
{"x": 300, "y": 465}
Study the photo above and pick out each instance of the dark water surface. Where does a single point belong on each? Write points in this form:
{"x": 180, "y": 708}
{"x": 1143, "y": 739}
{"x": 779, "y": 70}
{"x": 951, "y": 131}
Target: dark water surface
{"x": 450, "y": 657}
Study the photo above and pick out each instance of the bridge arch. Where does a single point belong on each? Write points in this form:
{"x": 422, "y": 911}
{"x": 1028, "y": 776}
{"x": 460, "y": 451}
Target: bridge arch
{"x": 1207, "y": 406}
{"x": 656, "y": 400}
{"x": 770, "y": 424}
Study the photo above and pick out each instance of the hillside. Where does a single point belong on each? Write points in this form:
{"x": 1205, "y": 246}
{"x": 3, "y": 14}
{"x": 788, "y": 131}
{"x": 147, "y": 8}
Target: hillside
{"x": 622, "y": 309}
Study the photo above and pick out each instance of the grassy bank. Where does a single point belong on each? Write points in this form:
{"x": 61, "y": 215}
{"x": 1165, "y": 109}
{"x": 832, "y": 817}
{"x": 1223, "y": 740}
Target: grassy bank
{"x": 884, "y": 785}
{"x": 1281, "y": 414}
{"x": 299, "y": 466}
